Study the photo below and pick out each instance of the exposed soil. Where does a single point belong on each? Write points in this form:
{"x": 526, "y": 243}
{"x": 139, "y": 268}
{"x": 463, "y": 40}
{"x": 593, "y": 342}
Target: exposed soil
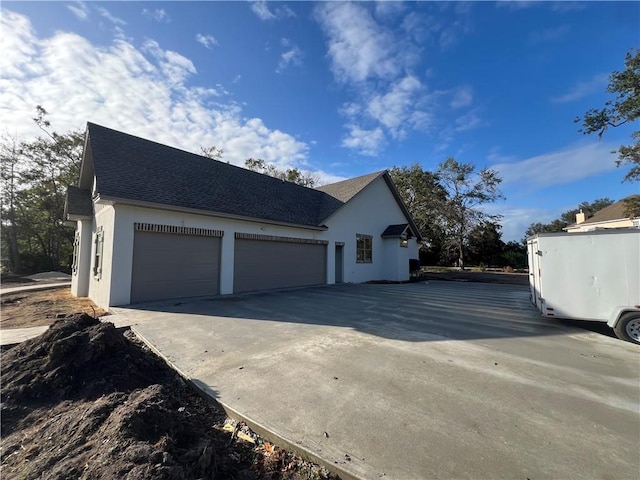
{"x": 86, "y": 401}
{"x": 39, "y": 308}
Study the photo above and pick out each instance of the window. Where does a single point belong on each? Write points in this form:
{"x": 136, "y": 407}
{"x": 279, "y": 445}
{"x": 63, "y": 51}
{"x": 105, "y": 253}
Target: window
{"x": 97, "y": 259}
{"x": 76, "y": 246}
{"x": 364, "y": 248}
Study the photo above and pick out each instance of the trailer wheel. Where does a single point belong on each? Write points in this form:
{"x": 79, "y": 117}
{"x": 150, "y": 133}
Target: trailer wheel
{"x": 628, "y": 327}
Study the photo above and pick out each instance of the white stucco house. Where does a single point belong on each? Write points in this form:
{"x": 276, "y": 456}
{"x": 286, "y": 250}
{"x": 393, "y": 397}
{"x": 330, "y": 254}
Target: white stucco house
{"x": 154, "y": 222}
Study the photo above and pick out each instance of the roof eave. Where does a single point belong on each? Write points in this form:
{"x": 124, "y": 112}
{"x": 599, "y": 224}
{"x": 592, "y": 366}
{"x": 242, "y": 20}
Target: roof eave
{"x": 109, "y": 200}
{"x": 403, "y": 207}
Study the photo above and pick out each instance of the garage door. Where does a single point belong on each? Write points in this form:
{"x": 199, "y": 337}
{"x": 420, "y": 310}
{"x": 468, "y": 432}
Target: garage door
{"x": 171, "y": 263}
{"x": 262, "y": 262}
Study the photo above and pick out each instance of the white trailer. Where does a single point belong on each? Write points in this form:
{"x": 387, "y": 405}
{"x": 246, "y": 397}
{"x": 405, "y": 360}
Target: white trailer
{"x": 588, "y": 276}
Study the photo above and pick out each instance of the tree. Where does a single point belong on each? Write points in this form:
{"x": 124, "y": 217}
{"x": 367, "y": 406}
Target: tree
{"x": 306, "y": 179}
{"x": 467, "y": 190}
{"x": 588, "y": 208}
{"x": 10, "y": 176}
{"x": 485, "y": 243}
{"x": 568, "y": 218}
{"x": 623, "y": 109}
{"x": 37, "y": 173}
{"x": 424, "y": 197}
{"x": 514, "y": 255}
{"x": 212, "y": 152}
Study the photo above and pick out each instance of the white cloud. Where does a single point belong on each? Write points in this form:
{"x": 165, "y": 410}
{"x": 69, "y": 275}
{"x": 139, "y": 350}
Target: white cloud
{"x": 291, "y": 56}
{"x": 516, "y": 4}
{"x": 388, "y": 10}
{"x": 462, "y": 97}
{"x": 207, "y": 40}
{"x": 80, "y": 10}
{"x": 376, "y": 63}
{"x": 583, "y": 89}
{"x": 159, "y": 14}
{"x": 359, "y": 48}
{"x": 515, "y": 219}
{"x": 261, "y": 9}
{"x": 469, "y": 121}
{"x": 564, "y": 7}
{"x": 564, "y": 166}
{"x": 285, "y": 12}
{"x": 396, "y": 109}
{"x": 548, "y": 35}
{"x": 174, "y": 66}
{"x": 365, "y": 142}
{"x": 107, "y": 15}
{"x": 141, "y": 91}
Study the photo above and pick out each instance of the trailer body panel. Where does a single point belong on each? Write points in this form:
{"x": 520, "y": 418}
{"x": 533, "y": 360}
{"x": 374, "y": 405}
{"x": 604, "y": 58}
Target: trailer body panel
{"x": 585, "y": 276}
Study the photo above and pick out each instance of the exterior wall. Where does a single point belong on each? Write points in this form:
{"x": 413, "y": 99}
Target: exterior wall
{"x": 370, "y": 212}
{"x": 80, "y": 278}
{"x": 100, "y": 287}
{"x": 126, "y": 216}
{"x": 589, "y": 227}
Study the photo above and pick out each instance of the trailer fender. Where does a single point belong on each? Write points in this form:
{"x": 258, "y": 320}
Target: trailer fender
{"x": 618, "y": 312}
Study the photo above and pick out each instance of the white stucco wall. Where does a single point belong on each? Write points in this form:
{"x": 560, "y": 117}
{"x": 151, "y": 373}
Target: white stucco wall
{"x": 369, "y": 213}
{"x": 100, "y": 290}
{"x": 127, "y": 215}
{"x": 80, "y": 278}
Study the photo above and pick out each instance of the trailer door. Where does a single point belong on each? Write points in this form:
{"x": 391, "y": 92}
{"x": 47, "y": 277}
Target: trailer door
{"x": 534, "y": 272}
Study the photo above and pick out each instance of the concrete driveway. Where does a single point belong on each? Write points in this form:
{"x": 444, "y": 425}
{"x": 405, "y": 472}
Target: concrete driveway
{"x": 424, "y": 380}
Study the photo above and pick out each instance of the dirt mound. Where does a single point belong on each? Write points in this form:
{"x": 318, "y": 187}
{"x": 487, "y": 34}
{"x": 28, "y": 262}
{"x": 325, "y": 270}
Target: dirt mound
{"x": 85, "y": 401}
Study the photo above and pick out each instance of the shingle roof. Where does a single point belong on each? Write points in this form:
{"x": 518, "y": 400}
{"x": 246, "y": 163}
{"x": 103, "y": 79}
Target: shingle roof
{"x": 347, "y": 189}
{"x": 394, "y": 230}
{"x": 615, "y": 211}
{"x": 78, "y": 202}
{"x": 129, "y": 167}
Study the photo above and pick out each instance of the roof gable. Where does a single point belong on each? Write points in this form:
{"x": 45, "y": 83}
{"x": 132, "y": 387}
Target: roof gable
{"x": 348, "y": 189}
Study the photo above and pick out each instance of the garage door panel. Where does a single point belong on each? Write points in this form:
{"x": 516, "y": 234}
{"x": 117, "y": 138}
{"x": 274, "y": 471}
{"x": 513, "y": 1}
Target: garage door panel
{"x": 167, "y": 265}
{"x": 261, "y": 265}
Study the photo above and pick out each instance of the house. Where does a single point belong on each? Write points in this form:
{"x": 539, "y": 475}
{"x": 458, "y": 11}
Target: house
{"x": 612, "y": 216}
{"x": 154, "y": 222}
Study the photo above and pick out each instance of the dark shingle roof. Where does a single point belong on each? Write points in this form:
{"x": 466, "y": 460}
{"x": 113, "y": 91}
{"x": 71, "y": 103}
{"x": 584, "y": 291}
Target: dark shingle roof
{"x": 615, "y": 211}
{"x": 132, "y": 168}
{"x": 394, "y": 230}
{"x": 78, "y": 202}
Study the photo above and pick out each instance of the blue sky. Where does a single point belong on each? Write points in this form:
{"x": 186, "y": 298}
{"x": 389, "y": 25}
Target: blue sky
{"x": 337, "y": 88}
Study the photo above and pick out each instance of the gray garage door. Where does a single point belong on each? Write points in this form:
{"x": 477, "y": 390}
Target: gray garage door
{"x": 264, "y": 264}
{"x": 168, "y": 265}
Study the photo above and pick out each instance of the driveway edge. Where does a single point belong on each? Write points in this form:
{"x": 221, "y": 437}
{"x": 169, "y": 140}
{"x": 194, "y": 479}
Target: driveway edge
{"x": 266, "y": 433}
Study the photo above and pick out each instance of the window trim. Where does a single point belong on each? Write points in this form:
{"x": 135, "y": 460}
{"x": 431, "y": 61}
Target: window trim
{"x": 76, "y": 252}
{"x": 99, "y": 254}
{"x": 364, "y": 253}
